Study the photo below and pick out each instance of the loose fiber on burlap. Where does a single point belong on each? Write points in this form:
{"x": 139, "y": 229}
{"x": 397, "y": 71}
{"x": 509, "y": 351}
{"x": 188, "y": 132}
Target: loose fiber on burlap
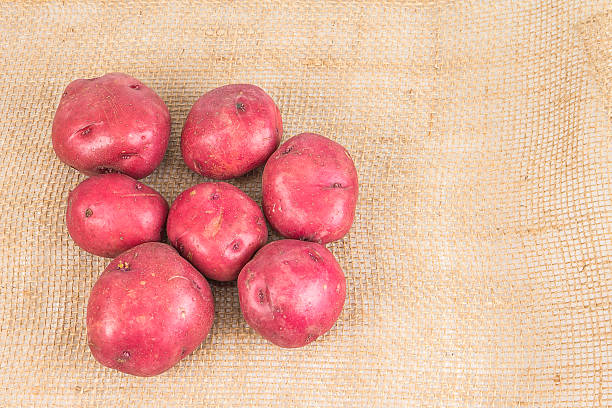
{"x": 479, "y": 265}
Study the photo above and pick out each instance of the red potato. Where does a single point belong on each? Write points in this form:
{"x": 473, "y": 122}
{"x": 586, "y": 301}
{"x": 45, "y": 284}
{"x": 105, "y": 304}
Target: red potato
{"x": 111, "y": 213}
{"x": 292, "y": 292}
{"x": 310, "y": 189}
{"x": 148, "y": 310}
{"x": 111, "y": 124}
{"x": 217, "y": 227}
{"x": 230, "y": 131}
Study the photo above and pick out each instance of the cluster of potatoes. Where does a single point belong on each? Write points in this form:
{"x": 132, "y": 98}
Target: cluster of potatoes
{"x": 152, "y": 305}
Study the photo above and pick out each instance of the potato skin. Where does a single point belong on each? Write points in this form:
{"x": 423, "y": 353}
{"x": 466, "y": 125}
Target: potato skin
{"x": 291, "y": 292}
{"x": 230, "y": 131}
{"x": 217, "y": 227}
{"x": 111, "y": 124}
{"x": 111, "y": 213}
{"x": 148, "y": 310}
{"x": 310, "y": 189}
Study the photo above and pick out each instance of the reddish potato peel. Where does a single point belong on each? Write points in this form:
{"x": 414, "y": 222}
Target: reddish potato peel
{"x": 292, "y": 292}
{"x": 111, "y": 213}
{"x": 217, "y": 227}
{"x": 310, "y": 189}
{"x": 148, "y": 310}
{"x": 230, "y": 131}
{"x": 111, "y": 124}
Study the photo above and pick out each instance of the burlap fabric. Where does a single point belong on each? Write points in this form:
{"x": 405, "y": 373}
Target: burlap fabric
{"x": 479, "y": 265}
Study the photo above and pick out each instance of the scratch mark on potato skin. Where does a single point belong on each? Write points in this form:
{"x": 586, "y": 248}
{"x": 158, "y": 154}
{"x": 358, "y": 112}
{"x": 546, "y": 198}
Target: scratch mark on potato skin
{"x": 176, "y": 277}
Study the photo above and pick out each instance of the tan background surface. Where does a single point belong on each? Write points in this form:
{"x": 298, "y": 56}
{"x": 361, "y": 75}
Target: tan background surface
{"x": 479, "y": 265}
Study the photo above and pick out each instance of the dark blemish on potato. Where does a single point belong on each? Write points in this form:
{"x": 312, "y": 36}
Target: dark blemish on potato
{"x": 236, "y": 245}
{"x": 183, "y": 351}
{"x": 88, "y": 213}
{"x": 277, "y": 310}
{"x": 313, "y": 256}
{"x": 138, "y": 186}
{"x": 195, "y": 285}
{"x": 240, "y": 107}
{"x": 106, "y": 170}
{"x": 214, "y": 196}
{"x": 86, "y": 130}
{"x": 309, "y": 338}
{"x": 336, "y": 185}
{"x": 126, "y": 156}
{"x": 123, "y": 357}
{"x": 135, "y": 86}
{"x": 261, "y": 296}
{"x": 123, "y": 266}
{"x": 287, "y": 150}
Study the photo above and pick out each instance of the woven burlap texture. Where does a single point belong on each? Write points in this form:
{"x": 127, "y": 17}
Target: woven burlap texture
{"x": 479, "y": 265}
